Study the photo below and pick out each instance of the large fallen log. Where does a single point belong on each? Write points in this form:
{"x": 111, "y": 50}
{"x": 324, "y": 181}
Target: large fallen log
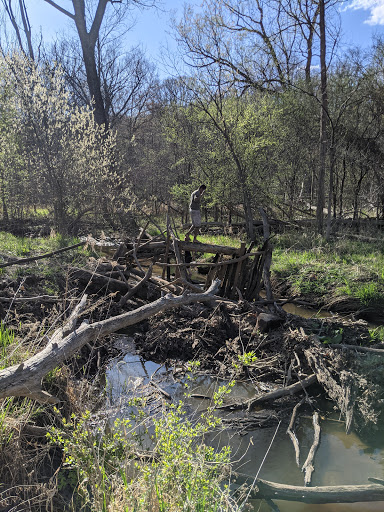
{"x": 200, "y": 247}
{"x": 25, "y": 379}
{"x": 318, "y": 495}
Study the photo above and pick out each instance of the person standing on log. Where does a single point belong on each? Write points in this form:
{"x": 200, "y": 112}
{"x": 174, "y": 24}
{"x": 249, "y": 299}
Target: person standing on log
{"x": 194, "y": 210}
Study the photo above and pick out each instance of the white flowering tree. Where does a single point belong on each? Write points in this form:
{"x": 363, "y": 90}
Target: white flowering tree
{"x": 71, "y": 159}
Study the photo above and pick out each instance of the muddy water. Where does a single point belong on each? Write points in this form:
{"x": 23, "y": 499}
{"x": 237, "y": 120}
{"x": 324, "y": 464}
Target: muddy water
{"x": 340, "y": 458}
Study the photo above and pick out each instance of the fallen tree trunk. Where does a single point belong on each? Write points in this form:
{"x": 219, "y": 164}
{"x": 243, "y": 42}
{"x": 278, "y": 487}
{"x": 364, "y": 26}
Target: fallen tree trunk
{"x": 200, "y": 247}
{"x": 273, "y": 395}
{"x": 318, "y": 495}
{"x": 25, "y": 379}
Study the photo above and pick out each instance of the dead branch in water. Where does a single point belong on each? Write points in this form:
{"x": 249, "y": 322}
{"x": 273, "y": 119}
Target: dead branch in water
{"x": 319, "y": 495}
{"x": 273, "y": 395}
{"x": 25, "y": 379}
{"x": 340, "y": 392}
{"x": 292, "y": 435}
{"x": 308, "y": 464}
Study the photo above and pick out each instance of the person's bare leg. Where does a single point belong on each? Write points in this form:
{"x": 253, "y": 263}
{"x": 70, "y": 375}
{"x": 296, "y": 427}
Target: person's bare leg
{"x": 192, "y": 228}
{"x": 196, "y": 234}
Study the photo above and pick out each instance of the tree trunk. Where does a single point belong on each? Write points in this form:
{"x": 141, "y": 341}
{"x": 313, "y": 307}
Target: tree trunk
{"x": 332, "y": 156}
{"x": 88, "y": 40}
{"x": 323, "y": 123}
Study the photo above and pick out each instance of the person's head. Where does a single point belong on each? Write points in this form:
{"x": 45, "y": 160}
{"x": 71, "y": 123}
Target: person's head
{"x": 202, "y": 188}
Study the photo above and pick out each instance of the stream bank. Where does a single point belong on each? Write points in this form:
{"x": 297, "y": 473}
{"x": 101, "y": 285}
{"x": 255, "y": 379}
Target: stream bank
{"x": 225, "y": 340}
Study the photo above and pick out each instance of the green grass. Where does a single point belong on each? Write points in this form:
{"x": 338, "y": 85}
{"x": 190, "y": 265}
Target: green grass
{"x": 15, "y": 246}
{"x": 377, "y": 334}
{"x": 7, "y": 338}
{"x": 313, "y": 267}
{"x": 227, "y": 240}
{"x": 51, "y": 270}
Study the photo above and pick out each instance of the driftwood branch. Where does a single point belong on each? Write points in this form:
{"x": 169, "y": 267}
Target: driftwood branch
{"x": 25, "y": 379}
{"x": 23, "y": 261}
{"x": 273, "y": 395}
{"x": 308, "y": 464}
{"x": 319, "y": 495}
{"x": 292, "y": 434}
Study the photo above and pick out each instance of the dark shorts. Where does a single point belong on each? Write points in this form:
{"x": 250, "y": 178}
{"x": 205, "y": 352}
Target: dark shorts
{"x": 195, "y": 218}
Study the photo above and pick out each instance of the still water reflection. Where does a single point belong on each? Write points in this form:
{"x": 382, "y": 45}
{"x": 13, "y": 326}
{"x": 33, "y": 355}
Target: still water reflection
{"x": 340, "y": 458}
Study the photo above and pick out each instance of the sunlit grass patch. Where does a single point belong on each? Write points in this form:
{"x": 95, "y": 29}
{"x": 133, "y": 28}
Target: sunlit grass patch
{"x": 341, "y": 267}
{"x": 26, "y": 246}
{"x": 226, "y": 240}
{"x": 7, "y": 339}
{"x": 377, "y": 334}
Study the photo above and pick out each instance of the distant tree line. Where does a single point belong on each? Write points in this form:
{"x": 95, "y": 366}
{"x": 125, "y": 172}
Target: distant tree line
{"x": 261, "y": 105}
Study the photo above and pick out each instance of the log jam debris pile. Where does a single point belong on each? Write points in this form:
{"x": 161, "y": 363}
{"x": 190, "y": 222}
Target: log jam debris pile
{"x": 290, "y": 360}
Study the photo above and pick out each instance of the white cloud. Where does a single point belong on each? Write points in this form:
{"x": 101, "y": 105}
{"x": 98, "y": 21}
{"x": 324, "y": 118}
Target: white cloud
{"x": 375, "y": 8}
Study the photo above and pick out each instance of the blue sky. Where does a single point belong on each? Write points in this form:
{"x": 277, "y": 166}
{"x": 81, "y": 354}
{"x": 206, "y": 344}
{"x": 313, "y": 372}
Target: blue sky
{"x": 361, "y": 19}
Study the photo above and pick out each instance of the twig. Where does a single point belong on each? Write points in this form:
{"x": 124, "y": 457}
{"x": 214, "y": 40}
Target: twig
{"x": 164, "y": 393}
{"x": 41, "y": 298}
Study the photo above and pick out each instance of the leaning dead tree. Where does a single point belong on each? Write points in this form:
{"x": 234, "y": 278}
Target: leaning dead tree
{"x": 25, "y": 379}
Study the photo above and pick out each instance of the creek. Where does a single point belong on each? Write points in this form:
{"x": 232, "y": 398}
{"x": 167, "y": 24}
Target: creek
{"x": 340, "y": 458}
